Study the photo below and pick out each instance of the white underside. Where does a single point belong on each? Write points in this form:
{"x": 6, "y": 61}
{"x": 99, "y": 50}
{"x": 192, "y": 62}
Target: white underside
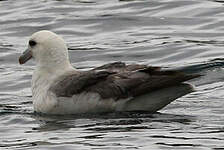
{"x": 92, "y": 103}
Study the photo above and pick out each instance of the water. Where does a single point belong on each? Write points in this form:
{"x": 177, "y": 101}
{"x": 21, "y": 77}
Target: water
{"x": 187, "y": 35}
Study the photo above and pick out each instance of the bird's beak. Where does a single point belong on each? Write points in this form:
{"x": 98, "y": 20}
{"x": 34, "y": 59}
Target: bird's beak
{"x": 27, "y": 55}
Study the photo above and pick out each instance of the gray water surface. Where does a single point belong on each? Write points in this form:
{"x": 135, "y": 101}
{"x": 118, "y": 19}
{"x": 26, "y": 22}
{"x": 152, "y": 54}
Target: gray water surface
{"x": 186, "y": 34}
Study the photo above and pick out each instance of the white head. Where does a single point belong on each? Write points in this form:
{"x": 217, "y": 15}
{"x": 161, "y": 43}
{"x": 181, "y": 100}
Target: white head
{"x": 47, "y": 49}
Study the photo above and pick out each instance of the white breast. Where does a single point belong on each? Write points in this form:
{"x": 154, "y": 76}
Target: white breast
{"x": 43, "y": 101}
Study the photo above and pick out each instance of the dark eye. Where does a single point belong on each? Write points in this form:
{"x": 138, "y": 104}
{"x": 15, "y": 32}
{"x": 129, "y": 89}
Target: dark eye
{"x": 32, "y": 43}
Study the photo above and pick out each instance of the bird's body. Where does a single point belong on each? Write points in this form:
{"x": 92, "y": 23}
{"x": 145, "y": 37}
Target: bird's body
{"x": 58, "y": 88}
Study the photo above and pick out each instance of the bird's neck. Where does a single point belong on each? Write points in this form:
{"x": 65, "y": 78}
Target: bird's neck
{"x": 50, "y": 72}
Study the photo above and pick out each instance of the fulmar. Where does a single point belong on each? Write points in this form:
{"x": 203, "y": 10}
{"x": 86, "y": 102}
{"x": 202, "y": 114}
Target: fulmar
{"x": 59, "y": 88}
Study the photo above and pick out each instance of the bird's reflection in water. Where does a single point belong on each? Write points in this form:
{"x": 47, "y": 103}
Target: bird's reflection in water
{"x": 119, "y": 121}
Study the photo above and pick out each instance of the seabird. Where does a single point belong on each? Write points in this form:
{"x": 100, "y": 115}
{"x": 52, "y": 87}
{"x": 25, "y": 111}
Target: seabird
{"x": 59, "y": 88}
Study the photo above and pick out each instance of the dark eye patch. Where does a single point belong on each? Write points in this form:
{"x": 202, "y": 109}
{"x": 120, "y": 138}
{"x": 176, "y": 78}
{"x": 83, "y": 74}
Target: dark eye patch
{"x": 32, "y": 43}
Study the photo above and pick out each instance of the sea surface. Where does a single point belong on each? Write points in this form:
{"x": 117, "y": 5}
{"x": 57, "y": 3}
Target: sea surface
{"x": 182, "y": 34}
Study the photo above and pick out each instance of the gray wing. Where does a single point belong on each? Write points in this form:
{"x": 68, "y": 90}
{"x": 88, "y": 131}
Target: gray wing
{"x": 68, "y": 85}
{"x": 122, "y": 67}
{"x": 133, "y": 84}
{"x": 118, "y": 81}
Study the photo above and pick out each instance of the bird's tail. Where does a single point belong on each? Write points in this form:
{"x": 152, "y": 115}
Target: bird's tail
{"x": 158, "y": 99}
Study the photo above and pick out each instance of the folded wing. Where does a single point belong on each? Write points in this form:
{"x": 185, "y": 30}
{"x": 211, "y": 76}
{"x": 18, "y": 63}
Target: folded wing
{"x": 118, "y": 81}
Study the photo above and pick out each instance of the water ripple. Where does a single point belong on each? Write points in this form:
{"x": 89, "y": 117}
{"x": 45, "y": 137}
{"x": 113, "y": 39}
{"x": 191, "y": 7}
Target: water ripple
{"x": 186, "y": 35}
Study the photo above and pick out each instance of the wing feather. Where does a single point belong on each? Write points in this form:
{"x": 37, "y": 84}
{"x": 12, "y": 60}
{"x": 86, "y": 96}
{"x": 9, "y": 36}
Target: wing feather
{"x": 75, "y": 83}
{"x": 117, "y": 81}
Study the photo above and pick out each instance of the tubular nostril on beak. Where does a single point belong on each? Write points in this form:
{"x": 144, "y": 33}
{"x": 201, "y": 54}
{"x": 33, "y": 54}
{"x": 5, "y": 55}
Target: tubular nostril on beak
{"x": 27, "y": 55}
